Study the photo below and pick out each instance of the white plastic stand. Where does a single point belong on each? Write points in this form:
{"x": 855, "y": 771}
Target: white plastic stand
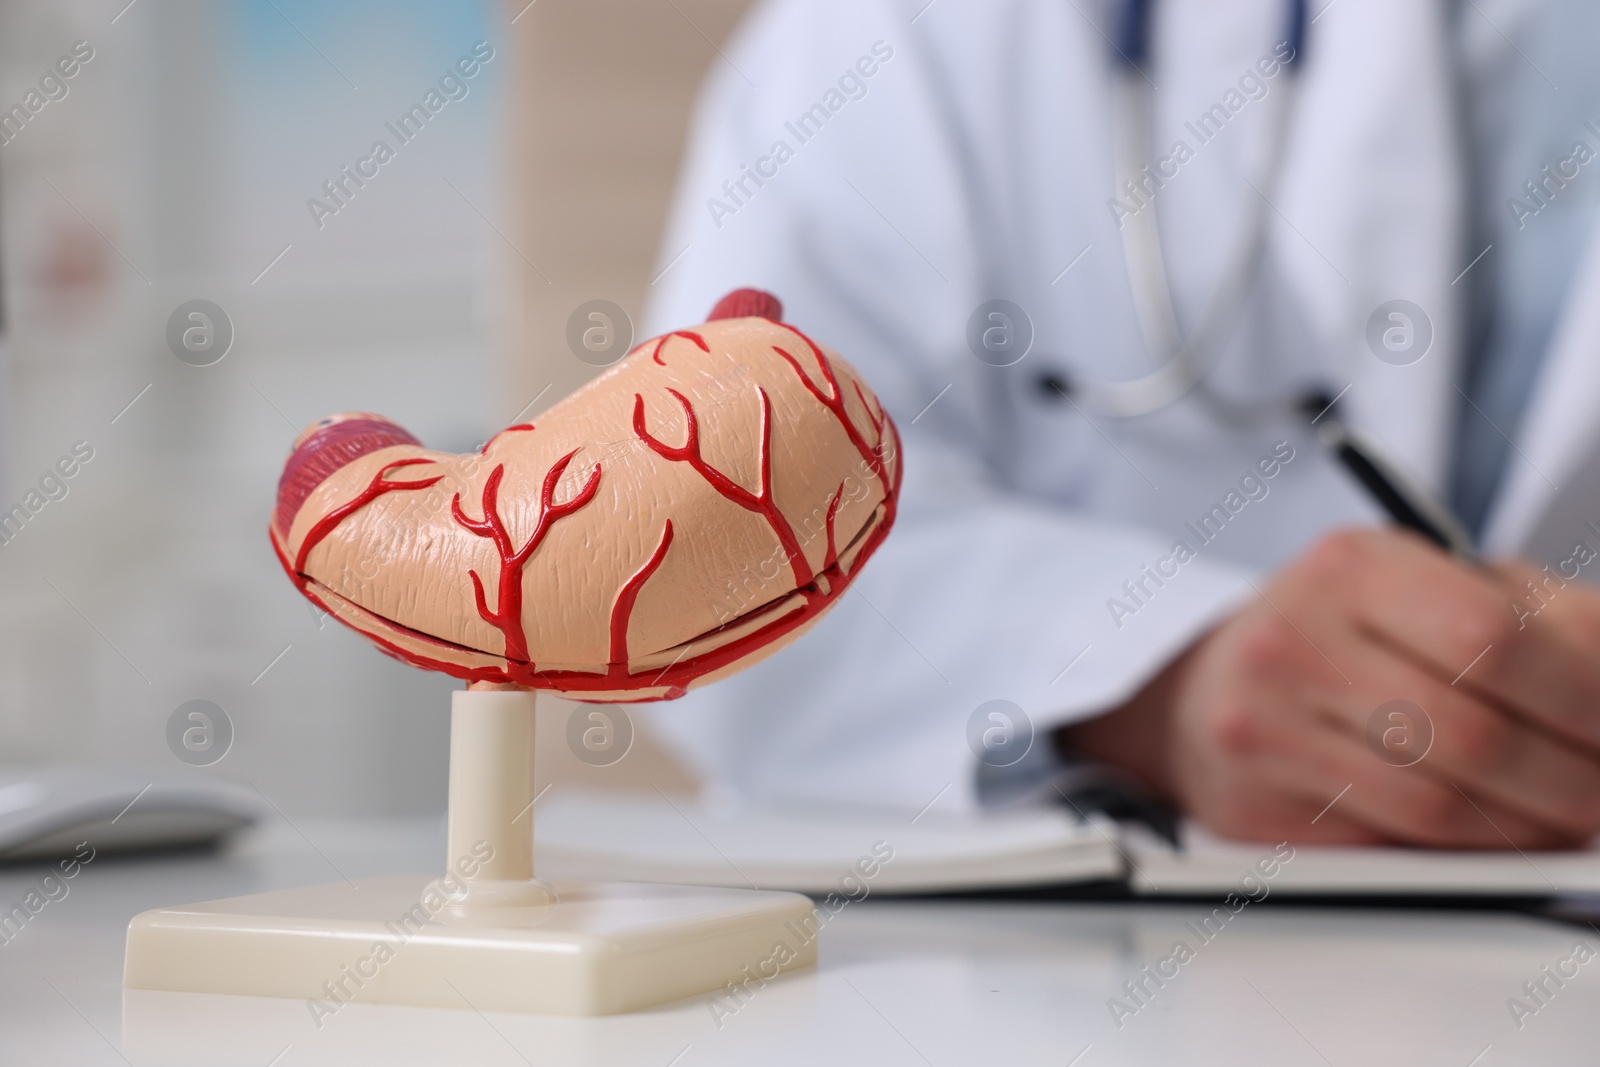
{"x": 486, "y": 934}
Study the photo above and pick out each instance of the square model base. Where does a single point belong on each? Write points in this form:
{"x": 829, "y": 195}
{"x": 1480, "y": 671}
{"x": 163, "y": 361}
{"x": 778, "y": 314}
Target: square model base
{"x": 603, "y": 947}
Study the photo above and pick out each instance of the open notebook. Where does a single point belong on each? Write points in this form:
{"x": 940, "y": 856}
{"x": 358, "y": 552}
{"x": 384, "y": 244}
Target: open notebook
{"x": 649, "y": 837}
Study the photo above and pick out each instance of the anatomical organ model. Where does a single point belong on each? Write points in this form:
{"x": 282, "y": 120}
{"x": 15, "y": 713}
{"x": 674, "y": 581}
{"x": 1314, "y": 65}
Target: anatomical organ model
{"x": 685, "y": 514}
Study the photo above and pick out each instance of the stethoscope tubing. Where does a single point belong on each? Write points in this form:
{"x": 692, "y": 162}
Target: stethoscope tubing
{"x": 1134, "y": 32}
{"x": 1185, "y": 361}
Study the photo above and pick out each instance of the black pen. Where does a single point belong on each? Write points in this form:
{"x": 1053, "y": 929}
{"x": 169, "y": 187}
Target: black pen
{"x": 1407, "y": 503}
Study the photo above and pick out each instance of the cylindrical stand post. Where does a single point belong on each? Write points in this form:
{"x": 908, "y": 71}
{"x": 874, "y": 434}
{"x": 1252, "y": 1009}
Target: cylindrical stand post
{"x": 491, "y": 797}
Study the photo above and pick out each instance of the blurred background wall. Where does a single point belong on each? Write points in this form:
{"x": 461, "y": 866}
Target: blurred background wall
{"x": 177, "y": 164}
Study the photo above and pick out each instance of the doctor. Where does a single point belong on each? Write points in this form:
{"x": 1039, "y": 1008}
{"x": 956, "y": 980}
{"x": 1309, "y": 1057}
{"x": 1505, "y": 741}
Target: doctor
{"x": 1205, "y": 218}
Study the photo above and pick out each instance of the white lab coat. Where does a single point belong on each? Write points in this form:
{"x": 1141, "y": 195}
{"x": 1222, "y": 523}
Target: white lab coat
{"x": 978, "y": 165}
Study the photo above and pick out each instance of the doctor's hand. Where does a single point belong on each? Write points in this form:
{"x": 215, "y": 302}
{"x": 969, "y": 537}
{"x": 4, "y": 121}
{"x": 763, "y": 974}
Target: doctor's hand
{"x": 1261, "y": 729}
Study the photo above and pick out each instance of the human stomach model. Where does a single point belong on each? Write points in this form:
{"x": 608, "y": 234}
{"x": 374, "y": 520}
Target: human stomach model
{"x": 682, "y": 516}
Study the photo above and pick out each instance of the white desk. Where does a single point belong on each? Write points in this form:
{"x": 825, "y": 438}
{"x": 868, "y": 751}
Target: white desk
{"x": 899, "y": 984}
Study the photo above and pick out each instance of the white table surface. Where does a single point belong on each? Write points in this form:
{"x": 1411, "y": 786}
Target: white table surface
{"x": 899, "y": 983}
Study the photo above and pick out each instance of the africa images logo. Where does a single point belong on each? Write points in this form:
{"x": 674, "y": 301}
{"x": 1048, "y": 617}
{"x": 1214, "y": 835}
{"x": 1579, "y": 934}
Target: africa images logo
{"x": 453, "y": 85}
{"x": 852, "y": 85}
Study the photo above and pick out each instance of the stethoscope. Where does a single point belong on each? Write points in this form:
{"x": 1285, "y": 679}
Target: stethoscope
{"x": 1186, "y": 361}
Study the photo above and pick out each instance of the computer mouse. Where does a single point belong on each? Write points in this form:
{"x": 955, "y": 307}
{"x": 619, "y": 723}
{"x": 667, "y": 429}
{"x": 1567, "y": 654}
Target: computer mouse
{"x": 47, "y": 811}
